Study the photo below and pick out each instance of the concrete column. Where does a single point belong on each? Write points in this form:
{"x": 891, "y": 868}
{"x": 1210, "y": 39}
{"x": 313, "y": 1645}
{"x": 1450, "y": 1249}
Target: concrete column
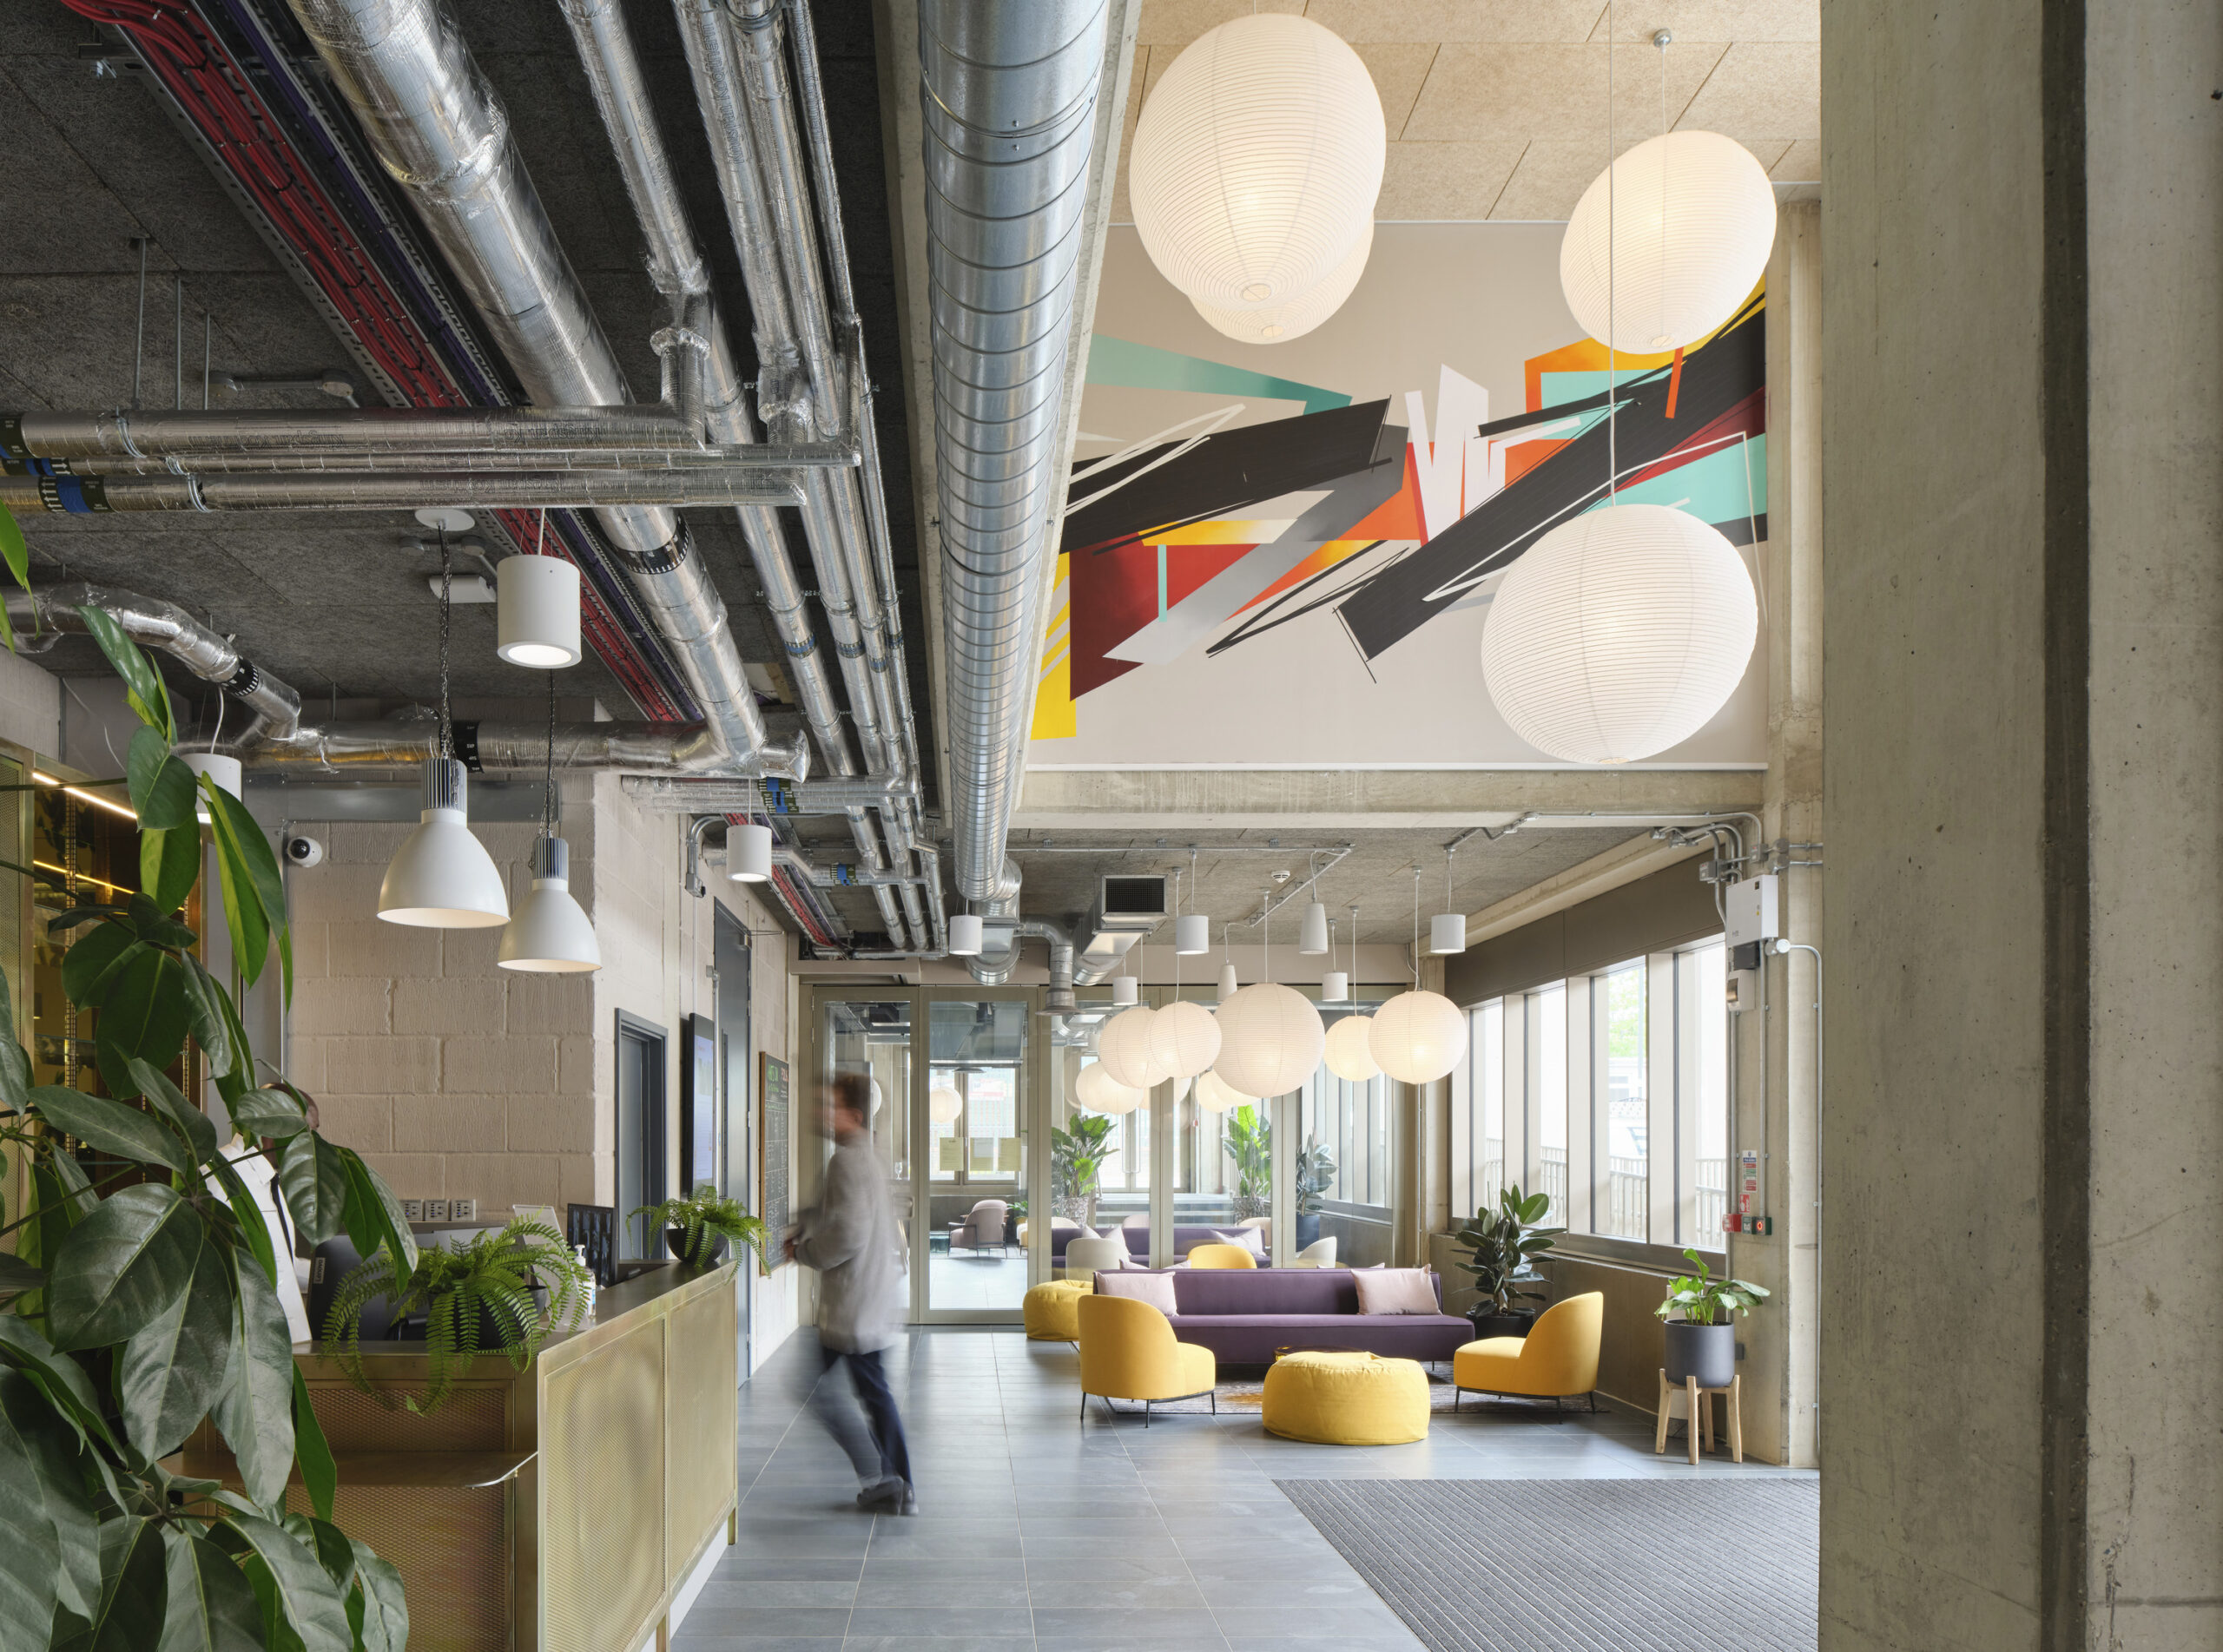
{"x": 2022, "y": 453}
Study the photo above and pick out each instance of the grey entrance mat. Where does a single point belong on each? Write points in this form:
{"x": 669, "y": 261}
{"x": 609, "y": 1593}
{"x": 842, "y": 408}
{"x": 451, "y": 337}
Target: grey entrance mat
{"x": 1570, "y": 1565}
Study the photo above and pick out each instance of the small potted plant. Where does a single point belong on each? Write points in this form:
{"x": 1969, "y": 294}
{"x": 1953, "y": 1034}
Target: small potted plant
{"x": 697, "y": 1227}
{"x": 1501, "y": 1248}
{"x": 1703, "y": 1342}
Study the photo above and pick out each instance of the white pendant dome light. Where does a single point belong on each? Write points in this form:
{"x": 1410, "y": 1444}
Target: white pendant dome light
{"x": 965, "y": 936}
{"x": 1668, "y": 242}
{"x": 1283, "y": 322}
{"x": 1418, "y": 1037}
{"x": 1257, "y": 162}
{"x": 944, "y": 1104}
{"x": 548, "y": 934}
{"x": 442, "y": 876}
{"x": 1312, "y": 935}
{"x": 1214, "y": 1095}
{"x": 749, "y": 853}
{"x": 1185, "y": 1039}
{"x": 1270, "y": 1039}
{"x": 224, "y": 771}
{"x": 1192, "y": 934}
{"x": 1619, "y": 633}
{"x": 1123, "y": 1050}
{"x": 1447, "y": 930}
{"x": 1346, "y": 1052}
{"x": 1124, "y": 990}
{"x": 537, "y": 612}
{"x": 1335, "y": 985}
{"x": 1099, "y": 1092}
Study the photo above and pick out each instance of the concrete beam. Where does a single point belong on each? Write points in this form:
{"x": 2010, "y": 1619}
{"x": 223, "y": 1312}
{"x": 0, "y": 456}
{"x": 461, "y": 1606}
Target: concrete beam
{"x": 1623, "y": 864}
{"x": 1327, "y": 801}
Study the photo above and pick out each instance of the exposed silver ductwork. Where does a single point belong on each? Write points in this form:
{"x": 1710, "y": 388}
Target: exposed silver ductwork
{"x": 438, "y": 129}
{"x": 996, "y": 971}
{"x": 1010, "y": 115}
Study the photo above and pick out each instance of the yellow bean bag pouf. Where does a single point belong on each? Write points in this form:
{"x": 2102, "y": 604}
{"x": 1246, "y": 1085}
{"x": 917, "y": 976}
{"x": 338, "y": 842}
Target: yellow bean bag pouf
{"x": 1051, "y": 1310}
{"x": 1338, "y": 1398}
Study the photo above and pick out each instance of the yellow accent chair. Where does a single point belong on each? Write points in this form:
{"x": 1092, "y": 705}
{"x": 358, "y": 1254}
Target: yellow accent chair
{"x": 1049, "y": 1310}
{"x": 1221, "y": 1256}
{"x": 1557, "y": 1357}
{"x": 1128, "y": 1351}
{"x": 1346, "y": 1398}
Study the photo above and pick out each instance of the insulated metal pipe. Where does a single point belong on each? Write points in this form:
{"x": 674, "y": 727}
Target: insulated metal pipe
{"x": 1009, "y": 108}
{"x": 666, "y": 793}
{"x": 521, "y": 748}
{"x": 497, "y": 491}
{"x": 442, "y": 135}
{"x": 780, "y": 465}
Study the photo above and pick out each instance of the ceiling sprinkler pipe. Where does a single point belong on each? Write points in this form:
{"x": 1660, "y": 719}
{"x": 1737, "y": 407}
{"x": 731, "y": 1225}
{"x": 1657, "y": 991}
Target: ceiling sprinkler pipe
{"x": 377, "y": 490}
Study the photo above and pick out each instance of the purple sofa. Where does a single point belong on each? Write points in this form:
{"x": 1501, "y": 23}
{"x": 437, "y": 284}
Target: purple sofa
{"x": 1245, "y": 1315}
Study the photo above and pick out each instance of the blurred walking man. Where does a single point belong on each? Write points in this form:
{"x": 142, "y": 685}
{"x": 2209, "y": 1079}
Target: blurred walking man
{"x": 852, "y": 1238}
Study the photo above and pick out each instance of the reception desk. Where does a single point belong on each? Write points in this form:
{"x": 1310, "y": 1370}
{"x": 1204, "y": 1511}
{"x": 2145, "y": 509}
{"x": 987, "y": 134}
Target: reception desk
{"x": 558, "y": 1509}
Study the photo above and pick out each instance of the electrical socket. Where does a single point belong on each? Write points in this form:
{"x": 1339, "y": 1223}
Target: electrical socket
{"x": 463, "y": 1210}
{"x": 436, "y": 1210}
{"x": 413, "y": 1210}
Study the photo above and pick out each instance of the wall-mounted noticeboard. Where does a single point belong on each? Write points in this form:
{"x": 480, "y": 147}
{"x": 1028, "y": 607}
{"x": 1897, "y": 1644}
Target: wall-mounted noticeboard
{"x": 775, "y": 1159}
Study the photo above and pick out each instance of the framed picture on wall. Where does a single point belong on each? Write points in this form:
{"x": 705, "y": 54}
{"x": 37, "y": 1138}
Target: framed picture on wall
{"x": 698, "y": 1104}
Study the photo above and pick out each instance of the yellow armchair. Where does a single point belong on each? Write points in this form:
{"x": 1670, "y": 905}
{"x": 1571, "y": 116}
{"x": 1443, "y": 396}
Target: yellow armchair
{"x": 1557, "y": 1357}
{"x": 1128, "y": 1351}
{"x": 1221, "y": 1256}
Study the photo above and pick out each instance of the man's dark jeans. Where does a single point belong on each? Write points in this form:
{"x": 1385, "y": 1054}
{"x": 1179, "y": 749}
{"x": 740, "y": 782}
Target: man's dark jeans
{"x": 873, "y": 1441}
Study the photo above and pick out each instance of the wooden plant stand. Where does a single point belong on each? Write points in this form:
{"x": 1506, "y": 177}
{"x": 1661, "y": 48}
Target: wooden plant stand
{"x": 1689, "y": 1401}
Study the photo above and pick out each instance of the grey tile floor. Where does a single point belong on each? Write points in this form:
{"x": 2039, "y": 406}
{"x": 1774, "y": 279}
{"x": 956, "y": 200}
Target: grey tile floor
{"x": 1040, "y": 1532}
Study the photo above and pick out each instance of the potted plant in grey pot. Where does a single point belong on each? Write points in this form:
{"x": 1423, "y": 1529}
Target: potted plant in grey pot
{"x": 1501, "y": 1246}
{"x": 1703, "y": 1342}
{"x": 697, "y": 1227}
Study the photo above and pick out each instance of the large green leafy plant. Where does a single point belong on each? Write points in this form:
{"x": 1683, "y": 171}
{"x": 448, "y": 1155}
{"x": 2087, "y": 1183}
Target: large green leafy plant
{"x": 1501, "y": 1248}
{"x": 1249, "y": 1142}
{"x": 143, "y": 1302}
{"x": 1703, "y": 1299}
{"x": 1076, "y": 1154}
{"x": 487, "y": 1282}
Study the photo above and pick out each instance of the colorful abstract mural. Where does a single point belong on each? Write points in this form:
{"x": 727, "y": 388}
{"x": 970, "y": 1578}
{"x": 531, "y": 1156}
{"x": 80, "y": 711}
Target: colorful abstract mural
{"x": 1283, "y": 555}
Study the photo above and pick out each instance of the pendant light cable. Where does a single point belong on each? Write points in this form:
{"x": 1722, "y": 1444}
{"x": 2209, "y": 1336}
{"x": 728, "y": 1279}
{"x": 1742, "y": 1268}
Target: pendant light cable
{"x": 1177, "y": 932}
{"x": 548, "y": 801}
{"x": 447, "y": 608}
{"x": 1354, "y": 952}
{"x": 1416, "y": 926}
{"x": 1613, "y": 312}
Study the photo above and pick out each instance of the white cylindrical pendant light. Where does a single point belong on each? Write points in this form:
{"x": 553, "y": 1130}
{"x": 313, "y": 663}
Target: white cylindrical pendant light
{"x": 944, "y": 1104}
{"x": 1123, "y": 991}
{"x": 1123, "y": 1049}
{"x": 538, "y": 612}
{"x": 1312, "y": 934}
{"x": 1227, "y": 986}
{"x": 225, "y": 771}
{"x": 1417, "y": 1038}
{"x": 1334, "y": 986}
{"x": 1257, "y": 162}
{"x": 442, "y": 876}
{"x": 749, "y": 852}
{"x": 1619, "y": 633}
{"x": 1270, "y": 1039}
{"x": 1346, "y": 1053}
{"x": 1185, "y": 1039}
{"x": 1667, "y": 243}
{"x": 1301, "y": 314}
{"x": 965, "y": 936}
{"x": 548, "y": 934}
{"x": 1447, "y": 932}
{"x": 1192, "y": 935}
{"x": 1214, "y": 1095}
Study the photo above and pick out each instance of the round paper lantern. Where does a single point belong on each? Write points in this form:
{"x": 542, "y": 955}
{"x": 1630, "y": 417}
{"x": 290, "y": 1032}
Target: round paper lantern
{"x": 1099, "y": 1092}
{"x": 944, "y": 1105}
{"x": 1257, "y": 162}
{"x": 1214, "y": 1095}
{"x": 1691, "y": 222}
{"x": 1270, "y": 1039}
{"x": 1619, "y": 633}
{"x": 1124, "y": 1049}
{"x": 1418, "y": 1037}
{"x": 1280, "y": 323}
{"x": 1347, "y": 1054}
{"x": 1184, "y": 1039}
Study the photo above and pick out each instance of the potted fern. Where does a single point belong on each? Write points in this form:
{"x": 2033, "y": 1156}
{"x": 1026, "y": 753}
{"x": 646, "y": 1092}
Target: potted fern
{"x": 697, "y": 1228}
{"x": 1501, "y": 1246}
{"x": 498, "y": 1293}
{"x": 1703, "y": 1342}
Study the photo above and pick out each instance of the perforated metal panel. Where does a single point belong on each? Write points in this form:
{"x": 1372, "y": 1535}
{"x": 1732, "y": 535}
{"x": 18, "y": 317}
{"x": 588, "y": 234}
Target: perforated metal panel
{"x": 602, "y": 1489}
{"x": 472, "y": 1419}
{"x": 451, "y": 1546}
{"x": 705, "y": 1420}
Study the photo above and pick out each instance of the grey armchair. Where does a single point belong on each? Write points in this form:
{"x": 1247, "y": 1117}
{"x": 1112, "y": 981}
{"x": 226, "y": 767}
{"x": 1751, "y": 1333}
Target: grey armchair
{"x": 983, "y": 1227}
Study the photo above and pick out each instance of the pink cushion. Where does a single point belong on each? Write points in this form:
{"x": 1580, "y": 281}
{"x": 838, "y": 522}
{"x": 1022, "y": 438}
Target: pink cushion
{"x": 1396, "y": 1290}
{"x": 1157, "y": 1289}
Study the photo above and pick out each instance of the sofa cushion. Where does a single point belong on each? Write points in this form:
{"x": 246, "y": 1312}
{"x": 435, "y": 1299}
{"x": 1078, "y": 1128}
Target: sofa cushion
{"x": 1143, "y": 1285}
{"x": 1396, "y": 1290}
{"x": 1322, "y": 1290}
{"x": 1256, "y": 1339}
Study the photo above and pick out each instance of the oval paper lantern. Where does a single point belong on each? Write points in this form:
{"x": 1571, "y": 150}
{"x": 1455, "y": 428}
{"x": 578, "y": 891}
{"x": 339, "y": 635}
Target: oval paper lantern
{"x": 1257, "y": 162}
{"x": 1124, "y": 1049}
{"x": 1619, "y": 633}
{"x": 1270, "y": 1039}
{"x": 1347, "y": 1054}
{"x": 1692, "y": 221}
{"x": 1278, "y": 323}
{"x": 1099, "y": 1092}
{"x": 1184, "y": 1039}
{"x": 944, "y": 1105}
{"x": 1214, "y": 1095}
{"x": 1418, "y": 1037}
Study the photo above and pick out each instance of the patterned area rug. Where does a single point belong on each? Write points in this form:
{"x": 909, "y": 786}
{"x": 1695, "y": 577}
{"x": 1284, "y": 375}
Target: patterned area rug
{"x": 1570, "y": 1565}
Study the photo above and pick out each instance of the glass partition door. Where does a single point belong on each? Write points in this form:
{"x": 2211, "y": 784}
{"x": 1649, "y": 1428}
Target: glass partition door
{"x": 974, "y": 1137}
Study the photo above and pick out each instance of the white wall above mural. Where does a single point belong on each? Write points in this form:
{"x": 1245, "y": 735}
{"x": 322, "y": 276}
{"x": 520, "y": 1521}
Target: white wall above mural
{"x": 1282, "y": 555}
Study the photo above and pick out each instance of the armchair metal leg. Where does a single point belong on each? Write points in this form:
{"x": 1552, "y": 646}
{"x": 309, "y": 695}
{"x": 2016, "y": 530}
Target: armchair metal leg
{"x": 1457, "y": 1394}
{"x": 1145, "y": 1413}
{"x": 1593, "y": 1400}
